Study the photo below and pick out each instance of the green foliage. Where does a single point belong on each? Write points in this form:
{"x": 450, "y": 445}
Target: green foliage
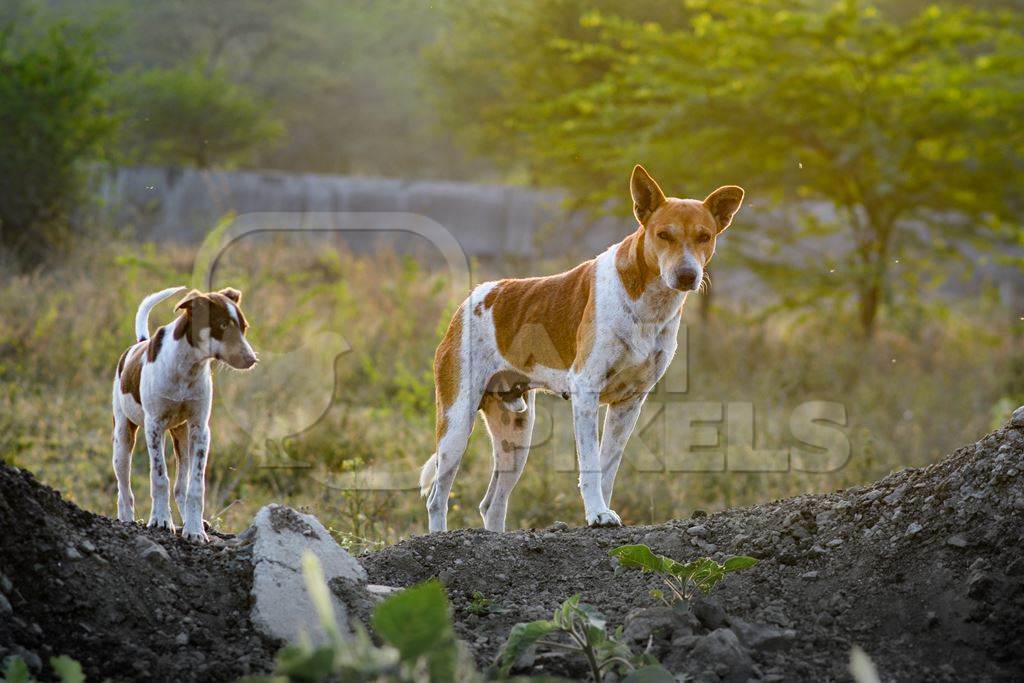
{"x": 682, "y": 579}
{"x": 903, "y": 125}
{"x": 192, "y": 116}
{"x": 582, "y": 630}
{"x": 65, "y": 669}
{"x": 54, "y": 117}
{"x": 415, "y": 625}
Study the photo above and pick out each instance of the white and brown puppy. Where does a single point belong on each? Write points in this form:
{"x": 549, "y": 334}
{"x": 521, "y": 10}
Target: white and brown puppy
{"x": 164, "y": 384}
{"x": 601, "y": 333}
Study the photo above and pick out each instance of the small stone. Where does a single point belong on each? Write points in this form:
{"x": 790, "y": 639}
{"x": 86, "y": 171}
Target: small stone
{"x": 698, "y": 530}
{"x": 835, "y": 543}
{"x": 559, "y": 526}
{"x": 811, "y": 575}
{"x": 1017, "y": 419}
{"x": 931, "y": 619}
{"x": 87, "y": 546}
{"x": 913, "y": 528}
{"x": 872, "y": 496}
{"x": 957, "y": 541}
{"x": 151, "y": 551}
{"x": 5, "y": 584}
{"x": 72, "y": 553}
{"x": 5, "y": 605}
{"x": 895, "y": 496}
{"x": 182, "y": 639}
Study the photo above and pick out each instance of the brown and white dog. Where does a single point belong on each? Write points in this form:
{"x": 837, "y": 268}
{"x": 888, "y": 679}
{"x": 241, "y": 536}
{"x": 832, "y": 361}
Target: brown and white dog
{"x": 164, "y": 384}
{"x": 601, "y": 333}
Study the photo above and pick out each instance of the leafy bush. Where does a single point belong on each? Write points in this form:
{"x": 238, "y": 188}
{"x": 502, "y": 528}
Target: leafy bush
{"x": 190, "y": 116}
{"x": 683, "y": 580}
{"x": 581, "y": 629}
{"x": 54, "y": 117}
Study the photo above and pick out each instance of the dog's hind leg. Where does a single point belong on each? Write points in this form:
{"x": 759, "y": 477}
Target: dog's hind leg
{"x": 450, "y": 448}
{"x": 510, "y": 439}
{"x": 179, "y": 439}
{"x": 124, "y": 444}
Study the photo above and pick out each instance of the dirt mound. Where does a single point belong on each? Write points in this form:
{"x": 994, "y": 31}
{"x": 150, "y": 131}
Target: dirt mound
{"x": 924, "y": 570}
{"x": 127, "y": 602}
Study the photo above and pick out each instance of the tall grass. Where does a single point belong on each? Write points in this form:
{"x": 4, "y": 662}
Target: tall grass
{"x": 339, "y": 416}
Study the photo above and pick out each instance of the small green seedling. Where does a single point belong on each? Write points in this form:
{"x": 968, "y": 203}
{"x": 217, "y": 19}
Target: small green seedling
{"x": 481, "y": 605}
{"x": 683, "y": 580}
{"x": 580, "y": 628}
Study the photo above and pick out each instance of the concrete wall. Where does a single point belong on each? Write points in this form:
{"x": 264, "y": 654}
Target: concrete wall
{"x": 165, "y": 204}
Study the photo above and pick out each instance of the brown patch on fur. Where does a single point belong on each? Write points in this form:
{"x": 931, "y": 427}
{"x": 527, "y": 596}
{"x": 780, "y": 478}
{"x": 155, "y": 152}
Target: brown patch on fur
{"x": 131, "y": 370}
{"x": 210, "y": 311}
{"x": 446, "y": 372}
{"x": 537, "y": 321}
{"x": 154, "y": 345}
{"x": 631, "y": 263}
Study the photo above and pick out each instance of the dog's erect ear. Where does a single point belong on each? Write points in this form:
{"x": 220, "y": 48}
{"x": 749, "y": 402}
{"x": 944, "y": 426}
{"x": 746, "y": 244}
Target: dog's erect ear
{"x": 232, "y": 293}
{"x": 647, "y": 196}
{"x": 723, "y": 204}
{"x": 190, "y": 299}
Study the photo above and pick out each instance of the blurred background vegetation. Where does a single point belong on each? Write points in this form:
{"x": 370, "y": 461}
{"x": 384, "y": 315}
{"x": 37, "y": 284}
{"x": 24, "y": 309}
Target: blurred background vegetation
{"x": 885, "y": 138}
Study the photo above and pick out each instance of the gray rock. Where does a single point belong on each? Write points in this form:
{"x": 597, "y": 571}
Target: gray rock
{"x": 957, "y": 541}
{"x": 811, "y": 575}
{"x": 642, "y": 624}
{"x": 1017, "y": 419}
{"x": 914, "y": 528}
{"x": 5, "y": 606}
{"x": 5, "y": 584}
{"x": 698, "y": 530}
{"x": 896, "y": 496}
{"x": 182, "y": 639}
{"x": 71, "y": 552}
{"x": 87, "y": 546}
{"x": 282, "y": 607}
{"x": 720, "y": 653}
{"x": 762, "y": 636}
{"x": 708, "y": 612}
{"x": 151, "y": 551}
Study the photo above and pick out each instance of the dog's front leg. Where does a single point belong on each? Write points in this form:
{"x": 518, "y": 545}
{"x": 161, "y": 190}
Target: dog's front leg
{"x": 159, "y": 483}
{"x": 584, "y": 415}
{"x": 618, "y": 425}
{"x": 195, "y": 499}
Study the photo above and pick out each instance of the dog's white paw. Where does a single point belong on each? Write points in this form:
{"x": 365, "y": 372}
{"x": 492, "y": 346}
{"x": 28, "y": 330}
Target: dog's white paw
{"x": 606, "y": 517}
{"x": 161, "y": 522}
{"x": 194, "y": 535}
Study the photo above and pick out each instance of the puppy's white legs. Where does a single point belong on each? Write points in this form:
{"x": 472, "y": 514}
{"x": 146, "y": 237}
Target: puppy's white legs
{"x": 510, "y": 438}
{"x": 619, "y": 422}
{"x": 159, "y": 483}
{"x": 179, "y": 437}
{"x": 124, "y": 444}
{"x": 195, "y": 500}
{"x": 450, "y": 448}
{"x": 584, "y": 416}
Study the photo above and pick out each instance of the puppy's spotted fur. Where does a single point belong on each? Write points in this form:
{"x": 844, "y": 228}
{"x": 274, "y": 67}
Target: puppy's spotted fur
{"x": 601, "y": 333}
{"x": 164, "y": 384}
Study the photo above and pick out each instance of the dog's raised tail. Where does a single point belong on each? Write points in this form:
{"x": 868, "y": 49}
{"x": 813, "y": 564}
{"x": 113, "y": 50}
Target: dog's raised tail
{"x": 427, "y": 475}
{"x": 147, "y": 305}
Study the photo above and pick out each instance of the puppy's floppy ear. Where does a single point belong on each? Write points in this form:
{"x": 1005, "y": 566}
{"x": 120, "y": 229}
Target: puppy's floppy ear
{"x": 723, "y": 204}
{"x": 232, "y": 293}
{"x": 647, "y": 196}
{"x": 189, "y": 300}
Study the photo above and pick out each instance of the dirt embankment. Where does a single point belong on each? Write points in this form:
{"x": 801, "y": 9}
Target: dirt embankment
{"x": 924, "y": 570}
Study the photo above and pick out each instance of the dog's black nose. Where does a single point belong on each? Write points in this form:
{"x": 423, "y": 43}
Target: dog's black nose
{"x": 686, "y": 279}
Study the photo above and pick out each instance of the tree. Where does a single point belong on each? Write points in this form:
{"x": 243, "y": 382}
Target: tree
{"x": 909, "y": 129}
{"x": 188, "y": 116}
{"x": 54, "y": 118}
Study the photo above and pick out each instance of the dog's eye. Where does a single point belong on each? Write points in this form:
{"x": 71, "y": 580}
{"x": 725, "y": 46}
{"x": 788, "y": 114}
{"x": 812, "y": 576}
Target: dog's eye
{"x": 665, "y": 236}
{"x": 224, "y": 325}
{"x": 704, "y": 237}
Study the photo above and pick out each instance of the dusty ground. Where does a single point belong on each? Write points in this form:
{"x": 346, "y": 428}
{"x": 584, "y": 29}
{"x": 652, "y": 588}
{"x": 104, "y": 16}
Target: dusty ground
{"x": 127, "y": 602}
{"x": 924, "y": 570}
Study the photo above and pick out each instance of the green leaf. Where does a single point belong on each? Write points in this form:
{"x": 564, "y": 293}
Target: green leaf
{"x": 305, "y": 666}
{"x": 418, "y": 623}
{"x": 522, "y": 637}
{"x": 67, "y": 669}
{"x": 653, "y": 673}
{"x": 739, "y": 562}
{"x": 16, "y": 671}
{"x": 642, "y": 557}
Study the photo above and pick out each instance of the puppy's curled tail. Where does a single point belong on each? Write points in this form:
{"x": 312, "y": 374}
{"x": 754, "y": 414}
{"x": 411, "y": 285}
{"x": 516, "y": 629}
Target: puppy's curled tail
{"x": 428, "y": 474}
{"x": 147, "y": 305}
